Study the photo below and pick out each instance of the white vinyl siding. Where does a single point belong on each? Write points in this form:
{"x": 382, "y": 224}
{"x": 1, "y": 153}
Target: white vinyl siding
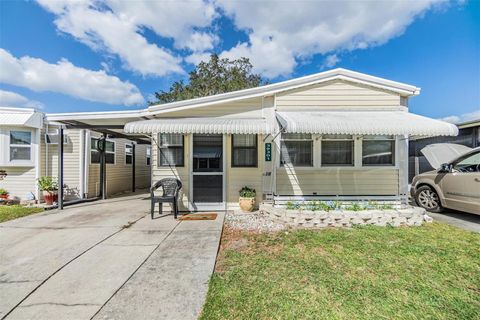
{"x": 336, "y": 95}
{"x": 338, "y": 182}
{"x": 248, "y": 108}
{"x": 71, "y": 162}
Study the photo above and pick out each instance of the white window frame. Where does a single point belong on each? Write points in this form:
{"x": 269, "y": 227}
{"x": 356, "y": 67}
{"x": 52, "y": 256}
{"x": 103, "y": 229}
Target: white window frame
{"x": 358, "y": 148}
{"x": 130, "y": 154}
{"x": 30, "y": 146}
{"x": 110, "y": 152}
{"x": 148, "y": 156}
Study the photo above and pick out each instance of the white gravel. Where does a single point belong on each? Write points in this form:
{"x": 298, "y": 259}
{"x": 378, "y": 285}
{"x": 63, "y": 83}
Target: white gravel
{"x": 254, "y": 221}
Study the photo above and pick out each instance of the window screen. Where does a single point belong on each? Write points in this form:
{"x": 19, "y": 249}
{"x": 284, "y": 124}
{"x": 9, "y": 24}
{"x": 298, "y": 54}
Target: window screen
{"x": 244, "y": 150}
{"x": 170, "y": 149}
{"x": 337, "y": 150}
{"x": 296, "y": 149}
{"x": 378, "y": 151}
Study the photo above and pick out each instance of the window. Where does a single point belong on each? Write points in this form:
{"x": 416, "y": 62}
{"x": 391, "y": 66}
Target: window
{"x": 244, "y": 150}
{"x": 128, "y": 154}
{"x": 378, "y": 151}
{"x": 170, "y": 149}
{"x": 468, "y": 164}
{"x": 109, "y": 151}
{"x": 20, "y": 145}
{"x": 148, "y": 155}
{"x": 337, "y": 150}
{"x": 296, "y": 149}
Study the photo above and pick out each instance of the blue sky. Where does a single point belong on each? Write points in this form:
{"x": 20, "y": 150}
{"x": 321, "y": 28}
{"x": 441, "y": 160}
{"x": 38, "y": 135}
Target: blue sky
{"x": 86, "y": 56}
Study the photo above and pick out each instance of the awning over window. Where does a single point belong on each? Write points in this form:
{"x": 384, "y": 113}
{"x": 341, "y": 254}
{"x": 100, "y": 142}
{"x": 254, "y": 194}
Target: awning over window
{"x": 364, "y": 122}
{"x": 199, "y": 125}
{"x": 27, "y": 119}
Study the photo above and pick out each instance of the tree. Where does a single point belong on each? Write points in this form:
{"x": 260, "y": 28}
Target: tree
{"x": 212, "y": 77}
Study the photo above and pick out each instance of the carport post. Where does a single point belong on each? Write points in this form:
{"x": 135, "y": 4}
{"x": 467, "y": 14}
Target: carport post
{"x": 133, "y": 167}
{"x": 60, "y": 167}
{"x": 103, "y": 167}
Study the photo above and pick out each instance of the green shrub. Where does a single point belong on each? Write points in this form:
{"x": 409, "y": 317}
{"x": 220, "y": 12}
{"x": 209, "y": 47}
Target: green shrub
{"x": 3, "y": 192}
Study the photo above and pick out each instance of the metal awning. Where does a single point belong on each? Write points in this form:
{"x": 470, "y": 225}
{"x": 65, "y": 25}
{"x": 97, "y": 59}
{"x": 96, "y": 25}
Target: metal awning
{"x": 20, "y": 118}
{"x": 200, "y": 125}
{"x": 364, "y": 122}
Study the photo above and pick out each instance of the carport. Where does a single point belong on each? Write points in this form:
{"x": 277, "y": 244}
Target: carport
{"x": 110, "y": 125}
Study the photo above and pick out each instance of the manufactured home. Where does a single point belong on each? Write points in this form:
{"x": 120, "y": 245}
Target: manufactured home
{"x": 338, "y": 134}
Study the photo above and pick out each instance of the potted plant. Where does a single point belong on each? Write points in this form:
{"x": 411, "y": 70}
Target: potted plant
{"x": 49, "y": 186}
{"x": 3, "y": 194}
{"x": 247, "y": 199}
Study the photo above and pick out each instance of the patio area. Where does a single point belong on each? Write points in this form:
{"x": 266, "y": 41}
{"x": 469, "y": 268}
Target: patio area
{"x": 106, "y": 259}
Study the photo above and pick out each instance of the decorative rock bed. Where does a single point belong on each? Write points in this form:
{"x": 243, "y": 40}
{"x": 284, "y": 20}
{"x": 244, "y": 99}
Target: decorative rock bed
{"x": 408, "y": 216}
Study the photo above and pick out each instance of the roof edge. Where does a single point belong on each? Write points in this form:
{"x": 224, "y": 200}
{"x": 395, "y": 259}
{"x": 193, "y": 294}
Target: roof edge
{"x": 338, "y": 73}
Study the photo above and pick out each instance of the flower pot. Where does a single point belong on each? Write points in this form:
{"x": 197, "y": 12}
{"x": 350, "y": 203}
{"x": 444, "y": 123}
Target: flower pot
{"x": 50, "y": 197}
{"x": 4, "y": 196}
{"x": 247, "y": 204}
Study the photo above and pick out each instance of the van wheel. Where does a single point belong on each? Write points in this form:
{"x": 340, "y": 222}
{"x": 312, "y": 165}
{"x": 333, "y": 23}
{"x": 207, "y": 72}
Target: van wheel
{"x": 428, "y": 199}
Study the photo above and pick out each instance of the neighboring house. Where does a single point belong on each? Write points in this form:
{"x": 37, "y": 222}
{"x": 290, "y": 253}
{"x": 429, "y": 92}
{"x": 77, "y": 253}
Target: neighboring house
{"x": 468, "y": 135}
{"x": 338, "y": 134}
{"x": 29, "y": 150}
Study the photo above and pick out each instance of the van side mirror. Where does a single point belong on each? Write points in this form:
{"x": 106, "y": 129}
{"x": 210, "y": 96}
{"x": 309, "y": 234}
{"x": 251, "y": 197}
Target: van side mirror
{"x": 445, "y": 168}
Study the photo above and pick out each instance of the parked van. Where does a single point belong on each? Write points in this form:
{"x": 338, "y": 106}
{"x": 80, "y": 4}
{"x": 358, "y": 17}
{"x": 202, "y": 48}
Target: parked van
{"x": 455, "y": 184}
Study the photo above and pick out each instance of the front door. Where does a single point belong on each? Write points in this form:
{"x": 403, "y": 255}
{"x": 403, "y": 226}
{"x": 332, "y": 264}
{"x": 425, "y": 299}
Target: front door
{"x": 207, "y": 173}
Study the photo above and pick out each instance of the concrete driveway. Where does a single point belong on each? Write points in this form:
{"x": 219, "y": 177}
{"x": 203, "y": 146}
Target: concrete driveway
{"x": 464, "y": 220}
{"x": 106, "y": 260}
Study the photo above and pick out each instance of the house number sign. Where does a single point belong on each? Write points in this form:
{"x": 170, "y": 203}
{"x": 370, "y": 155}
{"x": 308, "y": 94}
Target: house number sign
{"x": 268, "y": 151}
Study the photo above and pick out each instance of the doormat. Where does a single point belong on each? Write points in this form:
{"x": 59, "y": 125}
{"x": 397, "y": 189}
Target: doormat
{"x": 199, "y": 216}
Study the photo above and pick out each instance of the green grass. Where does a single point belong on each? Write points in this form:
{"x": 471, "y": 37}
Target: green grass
{"x": 429, "y": 272}
{"x": 16, "y": 211}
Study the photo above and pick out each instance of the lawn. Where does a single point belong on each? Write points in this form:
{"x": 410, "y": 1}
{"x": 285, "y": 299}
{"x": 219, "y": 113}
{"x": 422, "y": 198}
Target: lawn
{"x": 16, "y": 211}
{"x": 429, "y": 272}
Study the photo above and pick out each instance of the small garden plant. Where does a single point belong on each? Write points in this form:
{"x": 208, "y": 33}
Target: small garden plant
{"x": 3, "y": 192}
{"x": 47, "y": 183}
{"x": 247, "y": 192}
{"x": 336, "y": 205}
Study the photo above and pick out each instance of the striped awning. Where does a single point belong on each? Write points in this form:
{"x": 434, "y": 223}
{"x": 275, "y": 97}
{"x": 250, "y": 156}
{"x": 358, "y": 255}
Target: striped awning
{"x": 199, "y": 125}
{"x": 364, "y": 123}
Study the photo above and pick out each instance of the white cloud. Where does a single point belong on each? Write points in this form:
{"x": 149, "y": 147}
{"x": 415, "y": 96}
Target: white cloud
{"x": 115, "y": 26}
{"x": 282, "y": 34}
{"x": 466, "y": 117}
{"x": 13, "y": 99}
{"x": 63, "y": 77}
{"x": 331, "y": 60}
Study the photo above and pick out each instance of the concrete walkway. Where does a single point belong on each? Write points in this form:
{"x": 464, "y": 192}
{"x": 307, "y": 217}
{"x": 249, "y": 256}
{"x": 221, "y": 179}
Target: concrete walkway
{"x": 106, "y": 260}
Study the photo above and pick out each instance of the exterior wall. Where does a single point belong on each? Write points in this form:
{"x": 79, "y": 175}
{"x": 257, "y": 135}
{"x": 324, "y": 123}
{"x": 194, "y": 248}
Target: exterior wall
{"x": 248, "y": 108}
{"x": 119, "y": 175}
{"x": 21, "y": 175}
{"x": 240, "y": 177}
{"x": 336, "y": 95}
{"x": 337, "y": 181}
{"x": 19, "y": 181}
{"x": 71, "y": 162}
